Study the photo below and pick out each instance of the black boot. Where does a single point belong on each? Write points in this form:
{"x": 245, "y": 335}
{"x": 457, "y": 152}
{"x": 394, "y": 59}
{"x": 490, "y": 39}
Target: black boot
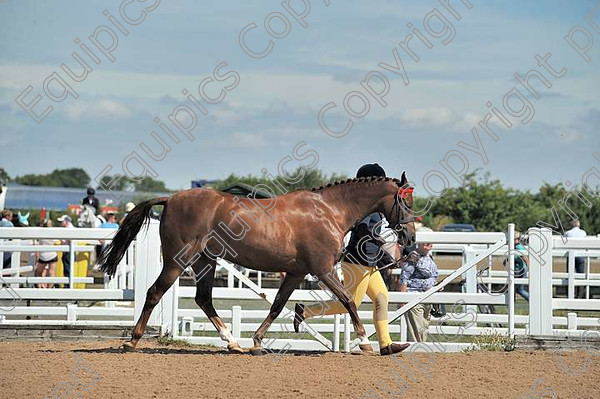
{"x": 393, "y": 348}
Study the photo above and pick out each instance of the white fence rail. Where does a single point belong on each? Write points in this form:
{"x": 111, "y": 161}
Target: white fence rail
{"x": 19, "y": 284}
{"x": 143, "y": 262}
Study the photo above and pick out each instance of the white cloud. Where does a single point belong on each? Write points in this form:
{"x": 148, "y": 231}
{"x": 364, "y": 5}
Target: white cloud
{"x": 248, "y": 140}
{"x": 569, "y": 134}
{"x": 431, "y": 116}
{"x": 103, "y": 109}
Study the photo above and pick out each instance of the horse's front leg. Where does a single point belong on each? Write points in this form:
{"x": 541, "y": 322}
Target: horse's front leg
{"x": 289, "y": 284}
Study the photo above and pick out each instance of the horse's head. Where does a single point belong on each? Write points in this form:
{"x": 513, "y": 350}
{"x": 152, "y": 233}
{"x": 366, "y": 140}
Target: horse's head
{"x": 87, "y": 216}
{"x": 82, "y": 218}
{"x": 398, "y": 210}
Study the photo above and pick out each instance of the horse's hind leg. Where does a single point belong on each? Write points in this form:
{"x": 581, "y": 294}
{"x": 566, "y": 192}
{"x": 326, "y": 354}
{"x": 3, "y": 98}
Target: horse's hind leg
{"x": 289, "y": 284}
{"x": 205, "y": 274}
{"x": 167, "y": 277}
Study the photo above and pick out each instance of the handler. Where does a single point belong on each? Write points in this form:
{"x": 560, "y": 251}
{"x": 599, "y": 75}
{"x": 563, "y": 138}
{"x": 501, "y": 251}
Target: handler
{"x": 361, "y": 276}
{"x": 419, "y": 273}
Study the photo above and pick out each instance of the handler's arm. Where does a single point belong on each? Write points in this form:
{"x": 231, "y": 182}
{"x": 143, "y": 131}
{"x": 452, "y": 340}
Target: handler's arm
{"x": 405, "y": 274}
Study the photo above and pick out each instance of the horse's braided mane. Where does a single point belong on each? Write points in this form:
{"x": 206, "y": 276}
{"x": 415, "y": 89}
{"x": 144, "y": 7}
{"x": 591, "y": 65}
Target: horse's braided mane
{"x": 355, "y": 180}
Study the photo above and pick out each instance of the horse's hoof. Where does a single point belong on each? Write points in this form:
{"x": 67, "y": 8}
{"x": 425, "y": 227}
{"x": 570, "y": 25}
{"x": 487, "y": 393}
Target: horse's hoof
{"x": 235, "y": 348}
{"x": 256, "y": 352}
{"x": 366, "y": 349}
{"x": 298, "y": 316}
{"x": 128, "y": 347}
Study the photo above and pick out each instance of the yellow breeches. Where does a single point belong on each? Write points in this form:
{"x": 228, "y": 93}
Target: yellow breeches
{"x": 358, "y": 281}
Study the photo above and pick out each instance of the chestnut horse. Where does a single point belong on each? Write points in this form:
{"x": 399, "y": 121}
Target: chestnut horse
{"x": 299, "y": 233}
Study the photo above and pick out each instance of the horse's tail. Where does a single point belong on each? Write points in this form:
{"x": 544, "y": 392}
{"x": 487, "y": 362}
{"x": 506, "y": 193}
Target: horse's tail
{"x": 133, "y": 223}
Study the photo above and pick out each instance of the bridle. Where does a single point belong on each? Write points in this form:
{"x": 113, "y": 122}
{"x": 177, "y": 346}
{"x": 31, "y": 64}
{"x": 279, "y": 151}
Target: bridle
{"x": 399, "y": 203}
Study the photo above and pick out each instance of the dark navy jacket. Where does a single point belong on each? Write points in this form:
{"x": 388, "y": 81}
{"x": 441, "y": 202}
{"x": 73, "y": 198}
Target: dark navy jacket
{"x": 370, "y": 252}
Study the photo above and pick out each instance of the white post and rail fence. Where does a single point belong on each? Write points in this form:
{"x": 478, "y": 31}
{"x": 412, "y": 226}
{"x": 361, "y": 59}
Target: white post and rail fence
{"x": 244, "y": 305}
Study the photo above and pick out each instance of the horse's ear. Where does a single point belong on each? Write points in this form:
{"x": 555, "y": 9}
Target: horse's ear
{"x": 26, "y": 216}
{"x": 403, "y": 179}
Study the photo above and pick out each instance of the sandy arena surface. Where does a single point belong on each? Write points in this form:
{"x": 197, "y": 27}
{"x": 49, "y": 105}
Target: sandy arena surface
{"x": 33, "y": 369}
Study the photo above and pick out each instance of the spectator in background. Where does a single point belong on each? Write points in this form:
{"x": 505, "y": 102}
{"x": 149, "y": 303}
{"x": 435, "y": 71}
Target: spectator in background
{"x": 6, "y": 221}
{"x": 128, "y": 208}
{"x": 418, "y": 222}
{"x": 521, "y": 265}
{"x": 22, "y": 220}
{"x": 576, "y": 231}
{"x": 26, "y": 258}
{"x": 91, "y": 200}
{"x": 7, "y": 217}
{"x": 110, "y": 223}
{"x": 419, "y": 273}
{"x": 67, "y": 222}
{"x": 45, "y": 265}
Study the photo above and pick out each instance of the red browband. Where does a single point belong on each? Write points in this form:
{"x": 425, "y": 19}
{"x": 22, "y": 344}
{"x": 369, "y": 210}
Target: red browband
{"x": 403, "y": 191}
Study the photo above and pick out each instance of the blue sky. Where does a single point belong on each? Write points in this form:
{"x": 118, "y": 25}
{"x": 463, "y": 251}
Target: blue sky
{"x": 278, "y": 98}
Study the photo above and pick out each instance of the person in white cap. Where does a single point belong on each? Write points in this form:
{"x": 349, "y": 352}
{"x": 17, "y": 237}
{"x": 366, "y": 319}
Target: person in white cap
{"x": 577, "y": 231}
{"x": 66, "y": 221}
{"x": 128, "y": 208}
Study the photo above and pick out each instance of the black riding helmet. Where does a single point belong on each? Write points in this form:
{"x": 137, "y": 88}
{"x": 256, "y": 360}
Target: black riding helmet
{"x": 370, "y": 169}
{"x": 91, "y": 191}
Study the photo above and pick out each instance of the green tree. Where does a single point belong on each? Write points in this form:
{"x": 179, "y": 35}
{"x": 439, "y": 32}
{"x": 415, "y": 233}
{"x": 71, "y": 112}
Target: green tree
{"x": 117, "y": 185}
{"x": 489, "y": 206}
{"x": 149, "y": 184}
{"x": 4, "y": 177}
{"x": 306, "y": 179}
{"x": 71, "y": 177}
